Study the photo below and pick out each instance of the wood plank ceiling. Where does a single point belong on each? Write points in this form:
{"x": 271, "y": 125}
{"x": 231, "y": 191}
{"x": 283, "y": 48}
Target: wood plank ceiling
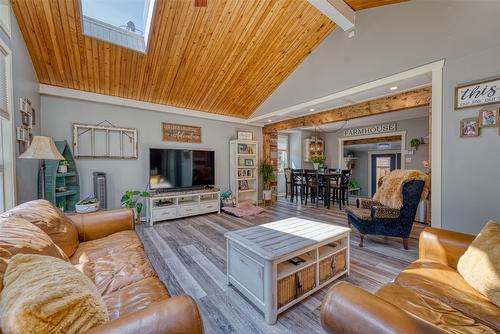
{"x": 226, "y": 58}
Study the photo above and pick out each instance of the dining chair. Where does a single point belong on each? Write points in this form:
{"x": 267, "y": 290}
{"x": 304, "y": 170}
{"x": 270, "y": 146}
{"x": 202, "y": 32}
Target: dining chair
{"x": 341, "y": 190}
{"x": 288, "y": 181}
{"x": 298, "y": 185}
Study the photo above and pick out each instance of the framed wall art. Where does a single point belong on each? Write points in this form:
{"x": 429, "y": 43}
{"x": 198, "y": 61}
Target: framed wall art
{"x": 488, "y": 118}
{"x": 181, "y": 133}
{"x": 469, "y": 127}
{"x": 244, "y": 135}
{"x": 477, "y": 94}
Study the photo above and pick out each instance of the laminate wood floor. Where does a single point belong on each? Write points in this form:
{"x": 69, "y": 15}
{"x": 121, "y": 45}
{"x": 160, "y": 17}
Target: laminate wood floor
{"x": 189, "y": 256}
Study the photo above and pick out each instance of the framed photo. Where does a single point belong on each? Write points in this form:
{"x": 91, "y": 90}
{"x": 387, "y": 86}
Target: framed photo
{"x": 24, "y": 105}
{"x": 242, "y": 148}
{"x": 488, "y": 118}
{"x": 248, "y": 162}
{"x": 26, "y": 119}
{"x": 244, "y": 135}
{"x": 33, "y": 117}
{"x": 478, "y": 93}
{"x": 469, "y": 127}
{"x": 244, "y": 185}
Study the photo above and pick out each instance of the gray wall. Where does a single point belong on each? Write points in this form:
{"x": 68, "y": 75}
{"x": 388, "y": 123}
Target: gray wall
{"x": 25, "y": 85}
{"x": 415, "y": 128}
{"x": 295, "y": 149}
{"x": 394, "y": 38}
{"x": 60, "y": 113}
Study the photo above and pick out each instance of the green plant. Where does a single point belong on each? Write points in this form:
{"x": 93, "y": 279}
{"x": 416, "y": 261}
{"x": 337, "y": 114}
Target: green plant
{"x": 132, "y": 199}
{"x": 61, "y": 204}
{"x": 64, "y": 163}
{"x": 317, "y": 158}
{"x": 87, "y": 200}
{"x": 353, "y": 184}
{"x": 416, "y": 142}
{"x": 267, "y": 172}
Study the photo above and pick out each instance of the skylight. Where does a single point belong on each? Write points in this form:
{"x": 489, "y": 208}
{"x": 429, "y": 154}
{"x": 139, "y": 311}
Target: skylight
{"x": 123, "y": 22}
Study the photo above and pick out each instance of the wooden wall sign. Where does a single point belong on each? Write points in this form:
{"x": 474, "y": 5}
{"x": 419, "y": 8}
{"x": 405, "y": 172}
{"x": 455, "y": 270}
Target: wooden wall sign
{"x": 370, "y": 130}
{"x": 181, "y": 133}
{"x": 478, "y": 94}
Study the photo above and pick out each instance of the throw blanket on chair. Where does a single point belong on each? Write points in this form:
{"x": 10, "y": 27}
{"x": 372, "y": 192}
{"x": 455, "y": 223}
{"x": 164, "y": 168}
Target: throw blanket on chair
{"x": 390, "y": 193}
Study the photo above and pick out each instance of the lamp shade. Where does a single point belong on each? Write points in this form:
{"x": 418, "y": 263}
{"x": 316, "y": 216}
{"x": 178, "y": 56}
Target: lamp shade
{"x": 42, "y": 148}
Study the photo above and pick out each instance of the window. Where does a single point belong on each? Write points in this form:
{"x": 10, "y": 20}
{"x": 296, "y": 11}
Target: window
{"x": 282, "y": 153}
{"x": 7, "y": 187}
{"x": 125, "y": 23}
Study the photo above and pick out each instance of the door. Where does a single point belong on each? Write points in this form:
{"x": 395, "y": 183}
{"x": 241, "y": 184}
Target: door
{"x": 383, "y": 164}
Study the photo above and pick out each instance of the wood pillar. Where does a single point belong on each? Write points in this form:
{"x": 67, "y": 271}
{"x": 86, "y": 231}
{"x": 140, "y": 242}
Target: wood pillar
{"x": 271, "y": 155}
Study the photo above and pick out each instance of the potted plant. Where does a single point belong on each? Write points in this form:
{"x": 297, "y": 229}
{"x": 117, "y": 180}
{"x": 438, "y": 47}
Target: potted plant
{"x": 267, "y": 172}
{"x": 87, "y": 204}
{"x": 317, "y": 159}
{"x": 133, "y": 199}
{"x": 61, "y": 205}
{"x": 63, "y": 166}
{"x": 416, "y": 142}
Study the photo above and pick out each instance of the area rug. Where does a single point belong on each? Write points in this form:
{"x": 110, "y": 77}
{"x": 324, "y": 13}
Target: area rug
{"x": 243, "y": 210}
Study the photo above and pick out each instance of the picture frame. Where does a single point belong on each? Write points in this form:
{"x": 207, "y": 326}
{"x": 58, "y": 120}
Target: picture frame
{"x": 477, "y": 93}
{"x": 242, "y": 148}
{"x": 248, "y": 162}
{"x": 243, "y": 185}
{"x": 244, "y": 135}
{"x": 469, "y": 127}
{"x": 25, "y": 119}
{"x": 488, "y": 118}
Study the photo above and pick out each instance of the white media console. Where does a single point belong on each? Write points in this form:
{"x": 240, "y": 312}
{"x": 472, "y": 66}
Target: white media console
{"x": 172, "y": 205}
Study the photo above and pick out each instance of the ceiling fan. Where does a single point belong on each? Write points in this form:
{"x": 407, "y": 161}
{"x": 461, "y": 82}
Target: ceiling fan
{"x": 200, "y": 3}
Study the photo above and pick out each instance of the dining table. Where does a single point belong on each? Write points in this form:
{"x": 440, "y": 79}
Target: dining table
{"x": 326, "y": 178}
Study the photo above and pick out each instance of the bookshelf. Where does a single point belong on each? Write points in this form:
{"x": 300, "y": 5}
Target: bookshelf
{"x": 244, "y": 170}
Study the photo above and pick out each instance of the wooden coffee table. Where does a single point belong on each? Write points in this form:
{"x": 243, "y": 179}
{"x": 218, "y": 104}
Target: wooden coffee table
{"x": 258, "y": 261}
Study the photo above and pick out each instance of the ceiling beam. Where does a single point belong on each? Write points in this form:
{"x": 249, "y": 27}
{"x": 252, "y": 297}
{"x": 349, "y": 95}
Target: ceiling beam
{"x": 337, "y": 11}
{"x": 411, "y": 99}
{"x": 374, "y": 140}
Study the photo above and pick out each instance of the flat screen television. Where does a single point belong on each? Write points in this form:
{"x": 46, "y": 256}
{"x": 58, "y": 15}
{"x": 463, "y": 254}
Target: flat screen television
{"x": 171, "y": 169}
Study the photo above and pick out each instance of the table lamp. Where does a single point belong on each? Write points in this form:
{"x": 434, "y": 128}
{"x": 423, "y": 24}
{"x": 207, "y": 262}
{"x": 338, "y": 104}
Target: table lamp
{"x": 42, "y": 148}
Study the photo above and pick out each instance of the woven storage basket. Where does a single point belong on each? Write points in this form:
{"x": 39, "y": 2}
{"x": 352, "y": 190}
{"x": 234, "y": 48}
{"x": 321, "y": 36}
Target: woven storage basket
{"x": 332, "y": 265}
{"x": 306, "y": 279}
{"x": 287, "y": 289}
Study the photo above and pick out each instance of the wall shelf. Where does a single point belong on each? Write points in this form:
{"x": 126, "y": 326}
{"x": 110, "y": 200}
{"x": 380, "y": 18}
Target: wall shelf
{"x": 244, "y": 187}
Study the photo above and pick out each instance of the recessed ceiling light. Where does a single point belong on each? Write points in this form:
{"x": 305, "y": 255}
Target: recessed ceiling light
{"x": 269, "y": 120}
{"x": 394, "y": 88}
{"x": 311, "y": 109}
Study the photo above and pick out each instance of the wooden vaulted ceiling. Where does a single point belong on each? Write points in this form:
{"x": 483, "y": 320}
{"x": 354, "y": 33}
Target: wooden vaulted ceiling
{"x": 225, "y": 58}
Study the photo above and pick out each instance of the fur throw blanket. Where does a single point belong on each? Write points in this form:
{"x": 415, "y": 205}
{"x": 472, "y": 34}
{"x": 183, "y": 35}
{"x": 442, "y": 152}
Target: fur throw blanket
{"x": 390, "y": 193}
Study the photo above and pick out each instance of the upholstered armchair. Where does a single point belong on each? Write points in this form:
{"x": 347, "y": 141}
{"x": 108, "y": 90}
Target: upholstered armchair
{"x": 392, "y": 210}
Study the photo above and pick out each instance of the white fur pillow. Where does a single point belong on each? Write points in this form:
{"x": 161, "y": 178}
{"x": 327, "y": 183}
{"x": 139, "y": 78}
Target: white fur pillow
{"x": 43, "y": 294}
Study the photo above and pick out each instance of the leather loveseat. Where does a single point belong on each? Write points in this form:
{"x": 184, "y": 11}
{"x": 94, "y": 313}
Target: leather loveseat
{"x": 105, "y": 247}
{"x": 428, "y": 297}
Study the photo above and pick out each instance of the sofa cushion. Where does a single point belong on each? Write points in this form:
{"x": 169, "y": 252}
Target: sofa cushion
{"x": 44, "y": 294}
{"x": 443, "y": 283}
{"x": 432, "y": 310}
{"x": 113, "y": 262}
{"x": 51, "y": 220}
{"x": 18, "y": 236}
{"x": 135, "y": 296}
{"x": 480, "y": 264}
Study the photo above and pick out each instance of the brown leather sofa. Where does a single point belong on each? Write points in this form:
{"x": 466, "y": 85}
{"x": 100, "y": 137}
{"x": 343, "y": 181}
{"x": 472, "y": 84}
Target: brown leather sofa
{"x": 428, "y": 297}
{"x": 106, "y": 248}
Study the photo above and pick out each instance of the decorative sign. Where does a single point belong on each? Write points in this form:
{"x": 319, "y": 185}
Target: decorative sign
{"x": 477, "y": 94}
{"x": 181, "y": 133}
{"x": 370, "y": 130}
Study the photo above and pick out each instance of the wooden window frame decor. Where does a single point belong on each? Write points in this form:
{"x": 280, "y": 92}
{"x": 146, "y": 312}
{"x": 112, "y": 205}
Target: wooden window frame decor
{"x": 181, "y": 133}
{"x": 480, "y": 93}
{"x": 494, "y": 111}
{"x": 109, "y": 129}
{"x": 462, "y": 124}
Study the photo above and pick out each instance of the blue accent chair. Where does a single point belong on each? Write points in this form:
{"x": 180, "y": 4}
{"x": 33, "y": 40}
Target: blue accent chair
{"x": 371, "y": 217}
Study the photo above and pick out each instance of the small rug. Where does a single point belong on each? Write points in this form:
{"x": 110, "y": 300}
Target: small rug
{"x": 243, "y": 210}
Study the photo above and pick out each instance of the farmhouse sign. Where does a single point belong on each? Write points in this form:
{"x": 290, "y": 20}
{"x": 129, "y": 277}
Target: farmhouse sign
{"x": 181, "y": 133}
{"x": 478, "y": 94}
{"x": 370, "y": 130}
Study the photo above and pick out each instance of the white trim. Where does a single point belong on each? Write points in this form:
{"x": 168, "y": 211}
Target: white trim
{"x": 49, "y": 90}
{"x": 370, "y": 153}
{"x": 428, "y": 68}
{"x": 8, "y": 135}
{"x": 377, "y": 135}
{"x": 337, "y": 11}
{"x": 5, "y": 25}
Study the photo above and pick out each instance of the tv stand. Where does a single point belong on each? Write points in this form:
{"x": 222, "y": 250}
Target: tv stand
{"x": 183, "y": 203}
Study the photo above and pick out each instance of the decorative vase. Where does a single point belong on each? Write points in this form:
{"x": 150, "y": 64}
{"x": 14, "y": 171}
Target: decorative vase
{"x": 266, "y": 195}
{"x": 87, "y": 208}
{"x": 62, "y": 169}
{"x": 316, "y": 165}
